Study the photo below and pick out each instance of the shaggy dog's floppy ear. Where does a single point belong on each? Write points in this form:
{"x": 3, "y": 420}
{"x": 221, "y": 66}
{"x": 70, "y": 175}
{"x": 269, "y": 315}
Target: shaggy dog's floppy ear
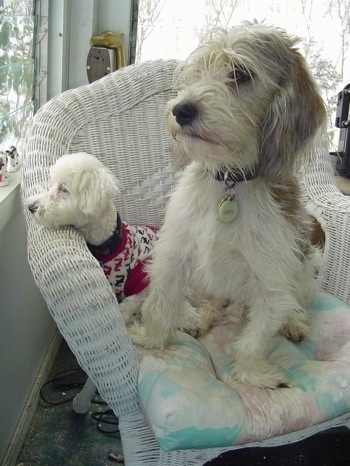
{"x": 96, "y": 189}
{"x": 292, "y": 119}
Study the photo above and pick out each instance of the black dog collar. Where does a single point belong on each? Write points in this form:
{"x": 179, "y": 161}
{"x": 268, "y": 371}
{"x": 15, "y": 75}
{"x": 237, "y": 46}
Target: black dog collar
{"x": 235, "y": 176}
{"x": 111, "y": 243}
{"x": 228, "y": 207}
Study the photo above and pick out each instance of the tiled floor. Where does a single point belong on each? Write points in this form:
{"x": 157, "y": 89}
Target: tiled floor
{"x": 58, "y": 436}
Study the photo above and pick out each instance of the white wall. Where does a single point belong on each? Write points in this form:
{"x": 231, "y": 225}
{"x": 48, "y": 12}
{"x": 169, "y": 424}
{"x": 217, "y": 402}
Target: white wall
{"x": 26, "y": 327}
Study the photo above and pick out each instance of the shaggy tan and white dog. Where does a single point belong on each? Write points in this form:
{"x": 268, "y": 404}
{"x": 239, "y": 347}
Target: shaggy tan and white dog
{"x": 246, "y": 118}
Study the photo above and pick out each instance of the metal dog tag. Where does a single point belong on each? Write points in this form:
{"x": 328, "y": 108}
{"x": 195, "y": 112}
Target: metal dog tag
{"x": 228, "y": 209}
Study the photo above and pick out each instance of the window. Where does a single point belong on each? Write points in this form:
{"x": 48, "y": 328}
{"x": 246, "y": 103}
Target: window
{"x": 168, "y": 29}
{"x": 17, "y": 25}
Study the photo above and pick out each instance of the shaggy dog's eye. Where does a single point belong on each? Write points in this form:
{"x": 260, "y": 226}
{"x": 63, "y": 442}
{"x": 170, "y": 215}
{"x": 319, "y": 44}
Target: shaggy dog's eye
{"x": 62, "y": 189}
{"x": 240, "y": 75}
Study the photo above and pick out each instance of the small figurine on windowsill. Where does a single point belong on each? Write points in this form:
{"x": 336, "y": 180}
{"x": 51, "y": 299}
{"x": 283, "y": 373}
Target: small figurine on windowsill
{"x": 3, "y": 178}
{"x": 12, "y": 159}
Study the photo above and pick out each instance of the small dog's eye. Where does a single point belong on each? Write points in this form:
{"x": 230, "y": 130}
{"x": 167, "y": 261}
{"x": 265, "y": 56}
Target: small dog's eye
{"x": 240, "y": 75}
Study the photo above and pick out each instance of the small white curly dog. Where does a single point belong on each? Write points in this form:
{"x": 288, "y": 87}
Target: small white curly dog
{"x": 246, "y": 118}
{"x": 81, "y": 194}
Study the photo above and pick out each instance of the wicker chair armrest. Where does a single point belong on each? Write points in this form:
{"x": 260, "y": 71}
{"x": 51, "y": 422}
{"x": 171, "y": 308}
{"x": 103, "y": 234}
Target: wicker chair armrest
{"x": 325, "y": 201}
{"x": 86, "y": 311}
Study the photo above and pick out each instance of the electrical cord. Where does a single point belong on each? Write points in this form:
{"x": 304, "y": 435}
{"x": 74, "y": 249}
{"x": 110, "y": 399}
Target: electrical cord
{"x": 65, "y": 381}
{"x": 109, "y": 419}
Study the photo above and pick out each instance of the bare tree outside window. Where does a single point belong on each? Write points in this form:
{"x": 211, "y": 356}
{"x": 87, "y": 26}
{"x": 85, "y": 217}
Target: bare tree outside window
{"x": 325, "y": 71}
{"x": 16, "y": 68}
{"x": 323, "y": 25}
{"x": 219, "y": 13}
{"x": 149, "y": 11}
{"x": 340, "y": 9}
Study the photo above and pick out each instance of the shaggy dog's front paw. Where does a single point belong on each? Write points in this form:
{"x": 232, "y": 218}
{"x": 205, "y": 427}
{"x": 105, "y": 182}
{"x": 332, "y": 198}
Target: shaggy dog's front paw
{"x": 199, "y": 320}
{"x": 130, "y": 307}
{"x": 130, "y": 313}
{"x": 295, "y": 330}
{"x": 141, "y": 335}
{"x": 263, "y": 375}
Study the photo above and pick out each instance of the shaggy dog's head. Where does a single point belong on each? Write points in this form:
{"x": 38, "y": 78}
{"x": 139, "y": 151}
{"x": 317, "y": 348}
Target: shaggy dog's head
{"x": 247, "y": 102}
{"x": 80, "y": 188}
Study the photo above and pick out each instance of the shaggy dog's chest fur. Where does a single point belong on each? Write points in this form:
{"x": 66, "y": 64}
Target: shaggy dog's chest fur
{"x": 227, "y": 260}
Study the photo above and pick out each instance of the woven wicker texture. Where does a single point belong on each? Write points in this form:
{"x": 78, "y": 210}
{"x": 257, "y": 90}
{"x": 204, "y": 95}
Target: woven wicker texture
{"x": 324, "y": 200}
{"x": 120, "y": 120}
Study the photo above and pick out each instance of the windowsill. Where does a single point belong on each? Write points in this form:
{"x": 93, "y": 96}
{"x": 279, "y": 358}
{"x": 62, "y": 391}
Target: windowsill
{"x": 9, "y": 197}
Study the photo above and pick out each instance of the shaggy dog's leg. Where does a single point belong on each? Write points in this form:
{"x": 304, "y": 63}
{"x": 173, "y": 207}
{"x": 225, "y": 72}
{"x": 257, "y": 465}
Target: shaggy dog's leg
{"x": 160, "y": 321}
{"x": 166, "y": 308}
{"x": 265, "y": 314}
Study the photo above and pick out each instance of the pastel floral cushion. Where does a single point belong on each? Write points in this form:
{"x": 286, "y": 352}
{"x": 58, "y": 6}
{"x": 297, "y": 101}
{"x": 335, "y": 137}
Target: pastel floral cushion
{"x": 188, "y": 407}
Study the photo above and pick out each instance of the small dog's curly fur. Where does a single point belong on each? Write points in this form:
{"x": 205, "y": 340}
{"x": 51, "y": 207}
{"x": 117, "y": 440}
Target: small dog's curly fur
{"x": 246, "y": 117}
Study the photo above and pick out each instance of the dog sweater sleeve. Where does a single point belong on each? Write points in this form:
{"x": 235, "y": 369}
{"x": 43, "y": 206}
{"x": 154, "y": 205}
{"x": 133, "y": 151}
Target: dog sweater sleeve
{"x": 137, "y": 280}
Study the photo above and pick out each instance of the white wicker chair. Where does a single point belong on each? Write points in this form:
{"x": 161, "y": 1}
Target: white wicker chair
{"x": 120, "y": 120}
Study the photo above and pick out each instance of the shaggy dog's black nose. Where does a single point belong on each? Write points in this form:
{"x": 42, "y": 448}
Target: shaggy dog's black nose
{"x": 33, "y": 207}
{"x": 184, "y": 113}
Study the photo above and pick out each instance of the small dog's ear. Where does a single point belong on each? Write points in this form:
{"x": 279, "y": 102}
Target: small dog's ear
{"x": 292, "y": 119}
{"x": 96, "y": 188}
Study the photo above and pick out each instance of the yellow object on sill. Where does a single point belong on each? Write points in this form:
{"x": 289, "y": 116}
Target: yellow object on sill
{"x": 111, "y": 40}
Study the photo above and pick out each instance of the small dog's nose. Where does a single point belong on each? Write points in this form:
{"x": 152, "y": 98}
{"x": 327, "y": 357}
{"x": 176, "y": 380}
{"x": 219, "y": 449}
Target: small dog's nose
{"x": 184, "y": 113}
{"x": 33, "y": 207}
